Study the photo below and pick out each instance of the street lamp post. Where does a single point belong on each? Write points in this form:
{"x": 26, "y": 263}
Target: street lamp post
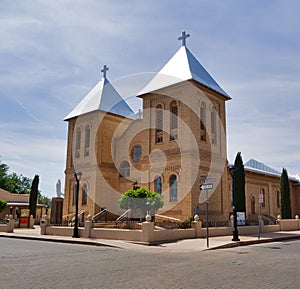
{"x": 235, "y": 234}
{"x": 77, "y": 176}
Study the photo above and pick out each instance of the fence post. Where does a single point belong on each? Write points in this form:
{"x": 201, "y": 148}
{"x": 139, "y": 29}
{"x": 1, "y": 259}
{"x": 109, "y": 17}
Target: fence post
{"x": 10, "y": 224}
{"x": 148, "y": 231}
{"x": 88, "y": 224}
{"x": 197, "y": 225}
{"x": 278, "y": 219}
{"x": 31, "y": 221}
{"x": 43, "y": 225}
{"x": 297, "y": 218}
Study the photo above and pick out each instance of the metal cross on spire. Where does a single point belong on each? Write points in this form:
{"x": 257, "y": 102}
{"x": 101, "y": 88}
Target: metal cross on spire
{"x": 183, "y": 37}
{"x": 104, "y": 69}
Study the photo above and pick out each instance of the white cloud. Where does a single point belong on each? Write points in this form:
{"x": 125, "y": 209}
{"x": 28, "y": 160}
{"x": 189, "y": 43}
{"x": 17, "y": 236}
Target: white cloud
{"x": 51, "y": 54}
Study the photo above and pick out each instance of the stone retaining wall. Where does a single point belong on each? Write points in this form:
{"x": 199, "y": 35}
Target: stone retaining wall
{"x": 289, "y": 225}
{"x": 149, "y": 234}
{"x": 9, "y": 226}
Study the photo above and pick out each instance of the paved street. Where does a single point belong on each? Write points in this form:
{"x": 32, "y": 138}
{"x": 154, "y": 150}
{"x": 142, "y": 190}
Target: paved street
{"x": 36, "y": 264}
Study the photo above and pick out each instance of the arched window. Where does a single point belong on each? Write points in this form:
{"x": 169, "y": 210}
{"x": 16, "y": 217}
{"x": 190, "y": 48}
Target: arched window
{"x": 78, "y": 141}
{"x": 278, "y": 199}
{"x": 252, "y": 205}
{"x": 159, "y": 124}
{"x": 173, "y": 188}
{"x": 213, "y": 116}
{"x": 136, "y": 153}
{"x": 174, "y": 121}
{"x": 158, "y": 185}
{"x": 84, "y": 194}
{"x": 124, "y": 170}
{"x": 87, "y": 140}
{"x": 203, "y": 121}
{"x": 264, "y": 200}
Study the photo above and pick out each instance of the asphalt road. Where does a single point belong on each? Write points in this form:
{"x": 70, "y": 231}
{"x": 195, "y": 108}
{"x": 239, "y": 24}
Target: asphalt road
{"x": 35, "y": 264}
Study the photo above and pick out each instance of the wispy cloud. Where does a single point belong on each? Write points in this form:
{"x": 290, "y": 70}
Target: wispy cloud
{"x": 28, "y": 112}
{"x": 51, "y": 54}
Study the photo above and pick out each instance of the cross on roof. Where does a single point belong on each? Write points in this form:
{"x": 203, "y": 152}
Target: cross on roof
{"x": 183, "y": 38}
{"x": 104, "y": 69}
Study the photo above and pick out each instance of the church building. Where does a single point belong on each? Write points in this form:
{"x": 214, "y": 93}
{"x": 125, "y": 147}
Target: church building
{"x": 165, "y": 131}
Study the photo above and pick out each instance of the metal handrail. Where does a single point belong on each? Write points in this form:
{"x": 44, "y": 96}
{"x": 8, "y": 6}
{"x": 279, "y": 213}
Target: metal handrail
{"x": 72, "y": 215}
{"x": 125, "y": 214}
{"x": 99, "y": 214}
{"x": 69, "y": 215}
{"x": 167, "y": 218}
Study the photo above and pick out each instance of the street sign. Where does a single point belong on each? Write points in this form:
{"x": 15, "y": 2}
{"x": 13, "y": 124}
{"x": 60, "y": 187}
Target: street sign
{"x": 206, "y": 187}
{"x": 261, "y": 198}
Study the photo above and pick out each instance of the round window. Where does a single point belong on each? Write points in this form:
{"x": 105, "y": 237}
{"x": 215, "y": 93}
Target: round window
{"x": 137, "y": 153}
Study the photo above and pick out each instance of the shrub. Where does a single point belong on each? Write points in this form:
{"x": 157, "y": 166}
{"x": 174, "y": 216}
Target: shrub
{"x": 141, "y": 199}
{"x": 3, "y": 205}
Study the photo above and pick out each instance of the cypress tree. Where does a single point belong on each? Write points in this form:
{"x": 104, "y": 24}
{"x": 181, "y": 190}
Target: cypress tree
{"x": 239, "y": 184}
{"x": 286, "y": 212}
{"x": 33, "y": 195}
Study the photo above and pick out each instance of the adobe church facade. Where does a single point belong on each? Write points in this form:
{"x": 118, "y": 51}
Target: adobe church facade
{"x": 173, "y": 144}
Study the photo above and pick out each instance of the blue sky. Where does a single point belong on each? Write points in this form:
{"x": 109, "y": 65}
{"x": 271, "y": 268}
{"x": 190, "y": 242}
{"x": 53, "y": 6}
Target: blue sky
{"x": 51, "y": 54}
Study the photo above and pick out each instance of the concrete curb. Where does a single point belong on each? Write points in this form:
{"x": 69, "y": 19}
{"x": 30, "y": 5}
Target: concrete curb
{"x": 253, "y": 242}
{"x": 83, "y": 241}
{"x": 66, "y": 241}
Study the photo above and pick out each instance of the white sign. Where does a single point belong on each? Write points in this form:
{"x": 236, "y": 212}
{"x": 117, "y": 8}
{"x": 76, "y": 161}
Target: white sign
{"x": 240, "y": 217}
{"x": 206, "y": 187}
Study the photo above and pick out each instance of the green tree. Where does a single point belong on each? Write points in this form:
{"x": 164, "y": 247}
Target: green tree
{"x": 18, "y": 184}
{"x": 34, "y": 195}
{"x": 43, "y": 199}
{"x": 239, "y": 184}
{"x": 3, "y": 175}
{"x": 13, "y": 183}
{"x": 3, "y": 205}
{"x": 286, "y": 212}
{"x": 141, "y": 200}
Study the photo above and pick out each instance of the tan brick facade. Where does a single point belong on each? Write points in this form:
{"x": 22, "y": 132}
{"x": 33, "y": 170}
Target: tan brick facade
{"x": 180, "y": 139}
{"x": 187, "y": 157}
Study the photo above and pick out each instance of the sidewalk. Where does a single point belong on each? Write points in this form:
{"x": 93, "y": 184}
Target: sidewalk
{"x": 187, "y": 245}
